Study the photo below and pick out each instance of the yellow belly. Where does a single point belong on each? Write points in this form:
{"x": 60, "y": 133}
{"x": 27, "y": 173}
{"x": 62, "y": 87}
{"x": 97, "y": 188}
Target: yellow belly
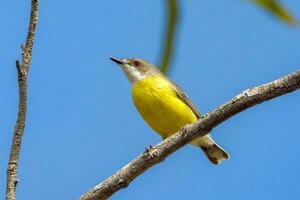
{"x": 160, "y": 107}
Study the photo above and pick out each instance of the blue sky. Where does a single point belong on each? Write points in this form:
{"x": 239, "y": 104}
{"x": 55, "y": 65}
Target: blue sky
{"x": 82, "y": 125}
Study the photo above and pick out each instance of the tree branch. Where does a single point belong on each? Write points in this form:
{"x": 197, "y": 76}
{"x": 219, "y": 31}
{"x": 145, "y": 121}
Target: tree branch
{"x": 22, "y": 69}
{"x": 203, "y": 126}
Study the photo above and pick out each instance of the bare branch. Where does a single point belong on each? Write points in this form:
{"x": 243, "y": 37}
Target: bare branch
{"x": 22, "y": 69}
{"x": 159, "y": 152}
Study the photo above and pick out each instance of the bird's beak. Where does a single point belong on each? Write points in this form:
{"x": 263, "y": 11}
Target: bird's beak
{"x": 118, "y": 60}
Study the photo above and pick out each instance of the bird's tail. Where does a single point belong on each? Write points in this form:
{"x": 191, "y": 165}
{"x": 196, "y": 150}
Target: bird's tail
{"x": 213, "y": 151}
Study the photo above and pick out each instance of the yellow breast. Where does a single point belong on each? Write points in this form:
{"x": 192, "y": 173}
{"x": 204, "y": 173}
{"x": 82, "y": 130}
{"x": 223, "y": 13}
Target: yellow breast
{"x": 160, "y": 107}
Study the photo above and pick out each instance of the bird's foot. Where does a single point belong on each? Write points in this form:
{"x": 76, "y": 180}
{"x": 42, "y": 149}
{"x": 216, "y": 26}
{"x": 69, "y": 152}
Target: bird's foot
{"x": 149, "y": 148}
{"x": 152, "y": 152}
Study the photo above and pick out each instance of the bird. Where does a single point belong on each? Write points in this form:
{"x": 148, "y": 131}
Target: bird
{"x": 164, "y": 105}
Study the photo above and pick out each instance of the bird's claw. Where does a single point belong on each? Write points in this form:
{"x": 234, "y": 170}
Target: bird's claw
{"x": 149, "y": 148}
{"x": 153, "y": 152}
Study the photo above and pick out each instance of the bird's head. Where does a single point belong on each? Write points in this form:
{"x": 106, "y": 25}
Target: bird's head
{"x": 136, "y": 68}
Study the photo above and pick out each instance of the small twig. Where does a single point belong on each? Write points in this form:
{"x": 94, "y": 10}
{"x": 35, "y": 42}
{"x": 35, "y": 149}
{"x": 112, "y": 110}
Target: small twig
{"x": 204, "y": 125}
{"x": 22, "y": 69}
{"x": 19, "y": 68}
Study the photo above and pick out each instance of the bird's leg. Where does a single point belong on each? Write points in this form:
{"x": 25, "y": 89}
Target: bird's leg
{"x": 148, "y": 148}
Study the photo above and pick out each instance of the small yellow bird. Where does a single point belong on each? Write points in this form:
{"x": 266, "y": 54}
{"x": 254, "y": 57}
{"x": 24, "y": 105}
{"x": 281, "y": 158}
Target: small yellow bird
{"x": 164, "y": 106}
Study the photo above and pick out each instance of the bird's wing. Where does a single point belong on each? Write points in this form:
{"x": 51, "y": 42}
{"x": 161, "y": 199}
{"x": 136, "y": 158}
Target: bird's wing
{"x": 183, "y": 97}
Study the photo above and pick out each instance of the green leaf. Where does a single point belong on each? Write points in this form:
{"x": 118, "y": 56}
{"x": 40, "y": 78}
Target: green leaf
{"x": 169, "y": 38}
{"x": 277, "y": 9}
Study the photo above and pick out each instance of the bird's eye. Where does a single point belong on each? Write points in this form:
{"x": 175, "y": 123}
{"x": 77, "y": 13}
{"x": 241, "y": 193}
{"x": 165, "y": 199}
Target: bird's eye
{"x": 137, "y": 63}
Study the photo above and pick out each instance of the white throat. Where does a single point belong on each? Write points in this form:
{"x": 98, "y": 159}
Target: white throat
{"x": 132, "y": 73}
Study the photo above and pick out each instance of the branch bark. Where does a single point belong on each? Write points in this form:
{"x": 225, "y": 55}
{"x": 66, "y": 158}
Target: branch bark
{"x": 22, "y": 69}
{"x": 204, "y": 125}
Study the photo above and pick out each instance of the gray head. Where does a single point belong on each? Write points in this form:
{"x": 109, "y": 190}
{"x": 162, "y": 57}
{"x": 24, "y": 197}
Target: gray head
{"x": 136, "y": 69}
